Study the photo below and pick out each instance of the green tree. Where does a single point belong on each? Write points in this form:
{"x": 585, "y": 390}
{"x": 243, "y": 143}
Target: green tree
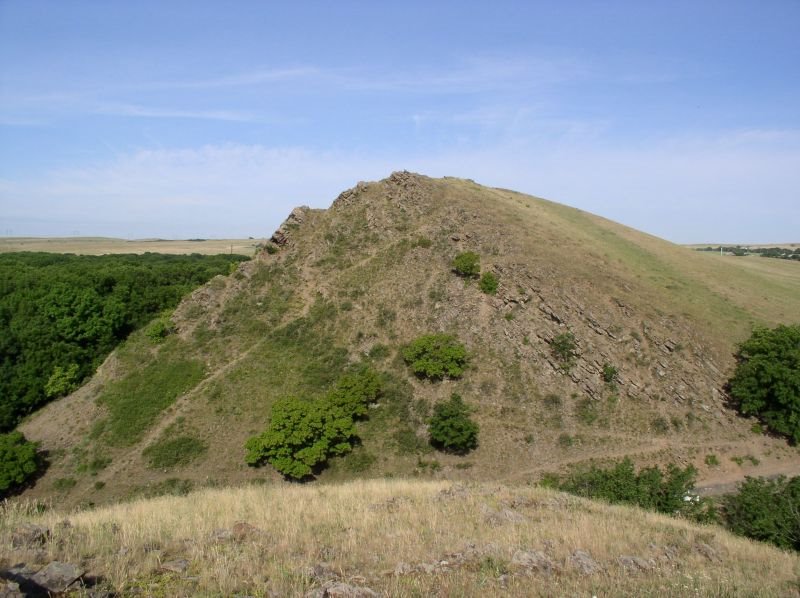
{"x": 467, "y": 264}
{"x": 488, "y": 283}
{"x": 766, "y": 382}
{"x": 767, "y": 510}
{"x": 303, "y": 435}
{"x": 436, "y": 356}
{"x": 18, "y": 461}
{"x": 451, "y": 429}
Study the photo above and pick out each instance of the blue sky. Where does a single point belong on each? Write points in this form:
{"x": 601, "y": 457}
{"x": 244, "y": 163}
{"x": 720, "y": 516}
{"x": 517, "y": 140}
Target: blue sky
{"x": 210, "y": 119}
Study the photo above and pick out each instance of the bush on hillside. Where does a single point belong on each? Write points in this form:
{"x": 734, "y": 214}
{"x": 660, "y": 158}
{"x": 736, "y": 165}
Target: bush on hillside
{"x": 467, "y": 264}
{"x": 451, "y": 429}
{"x": 303, "y": 435}
{"x": 436, "y": 356}
{"x": 766, "y": 510}
{"x": 18, "y": 461}
{"x": 488, "y": 283}
{"x": 651, "y": 488}
{"x": 766, "y": 382}
{"x": 563, "y": 347}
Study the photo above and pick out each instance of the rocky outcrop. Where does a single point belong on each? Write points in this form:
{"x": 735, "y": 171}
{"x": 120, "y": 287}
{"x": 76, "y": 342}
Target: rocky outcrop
{"x": 293, "y": 221}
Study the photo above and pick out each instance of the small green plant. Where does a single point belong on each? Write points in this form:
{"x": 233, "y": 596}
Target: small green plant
{"x": 660, "y": 425}
{"x": 609, "y": 373}
{"x": 436, "y": 356}
{"x": 451, "y": 429}
{"x": 552, "y": 401}
{"x": 509, "y": 316}
{"x": 160, "y": 328}
{"x": 488, "y": 283}
{"x": 467, "y": 264}
{"x": 271, "y": 248}
{"x": 359, "y": 461}
{"x": 586, "y": 410}
{"x": 563, "y": 347}
{"x": 64, "y": 484}
{"x": 566, "y": 441}
{"x": 712, "y": 460}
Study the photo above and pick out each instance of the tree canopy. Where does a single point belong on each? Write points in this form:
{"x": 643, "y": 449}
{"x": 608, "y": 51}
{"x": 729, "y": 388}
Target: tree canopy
{"x": 60, "y": 315}
{"x": 766, "y": 382}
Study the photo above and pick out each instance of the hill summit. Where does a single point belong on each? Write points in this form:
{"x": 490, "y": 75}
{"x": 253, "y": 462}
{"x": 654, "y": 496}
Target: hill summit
{"x": 594, "y": 341}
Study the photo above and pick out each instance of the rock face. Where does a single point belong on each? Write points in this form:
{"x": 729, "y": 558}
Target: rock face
{"x": 584, "y": 563}
{"x": 10, "y": 589}
{"x": 533, "y": 560}
{"x": 294, "y": 220}
{"x": 57, "y": 576}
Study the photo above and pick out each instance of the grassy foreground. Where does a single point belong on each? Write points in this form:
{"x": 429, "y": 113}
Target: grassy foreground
{"x": 399, "y": 538}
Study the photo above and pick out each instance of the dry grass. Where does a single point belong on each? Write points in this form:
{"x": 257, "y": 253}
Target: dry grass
{"x": 364, "y": 531}
{"x": 106, "y": 245}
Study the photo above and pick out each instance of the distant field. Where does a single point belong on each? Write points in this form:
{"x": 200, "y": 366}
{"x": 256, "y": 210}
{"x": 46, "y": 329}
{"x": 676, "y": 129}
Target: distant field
{"x": 106, "y": 245}
{"x": 752, "y": 245}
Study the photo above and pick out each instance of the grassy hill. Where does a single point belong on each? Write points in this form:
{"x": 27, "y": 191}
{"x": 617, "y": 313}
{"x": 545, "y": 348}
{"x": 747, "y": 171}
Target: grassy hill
{"x": 354, "y": 283}
{"x": 396, "y": 538}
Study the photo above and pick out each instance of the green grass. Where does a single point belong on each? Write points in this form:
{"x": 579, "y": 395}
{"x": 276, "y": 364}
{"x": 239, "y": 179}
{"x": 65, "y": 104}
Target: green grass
{"x": 172, "y": 452}
{"x": 136, "y": 401}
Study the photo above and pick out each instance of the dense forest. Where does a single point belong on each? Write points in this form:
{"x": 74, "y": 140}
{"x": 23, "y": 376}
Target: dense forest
{"x": 60, "y": 315}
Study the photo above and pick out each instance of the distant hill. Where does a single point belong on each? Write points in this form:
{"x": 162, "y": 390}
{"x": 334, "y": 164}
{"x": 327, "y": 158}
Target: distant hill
{"x": 356, "y": 282}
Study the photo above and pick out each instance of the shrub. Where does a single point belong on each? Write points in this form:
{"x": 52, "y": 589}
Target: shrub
{"x": 303, "y": 435}
{"x": 451, "y": 429}
{"x": 766, "y": 510}
{"x": 436, "y": 356}
{"x": 651, "y": 488}
{"x": 766, "y": 382}
{"x": 609, "y": 373}
{"x": 488, "y": 283}
{"x": 18, "y": 461}
{"x": 467, "y": 264}
{"x": 563, "y": 347}
{"x": 62, "y": 381}
{"x": 160, "y": 328}
{"x": 712, "y": 460}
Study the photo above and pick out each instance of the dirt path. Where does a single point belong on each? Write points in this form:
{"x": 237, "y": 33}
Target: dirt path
{"x": 728, "y": 482}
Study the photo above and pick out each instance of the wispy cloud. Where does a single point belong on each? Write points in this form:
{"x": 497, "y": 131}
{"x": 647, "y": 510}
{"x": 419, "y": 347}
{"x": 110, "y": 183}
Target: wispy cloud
{"x": 149, "y": 112}
{"x": 678, "y": 188}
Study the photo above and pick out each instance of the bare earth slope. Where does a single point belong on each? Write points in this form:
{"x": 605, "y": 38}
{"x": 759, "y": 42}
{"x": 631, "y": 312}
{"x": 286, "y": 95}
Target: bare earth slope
{"x": 357, "y": 281}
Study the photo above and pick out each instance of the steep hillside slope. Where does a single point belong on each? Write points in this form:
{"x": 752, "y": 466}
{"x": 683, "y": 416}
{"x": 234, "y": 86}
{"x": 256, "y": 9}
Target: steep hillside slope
{"x": 392, "y": 538}
{"x": 354, "y": 283}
